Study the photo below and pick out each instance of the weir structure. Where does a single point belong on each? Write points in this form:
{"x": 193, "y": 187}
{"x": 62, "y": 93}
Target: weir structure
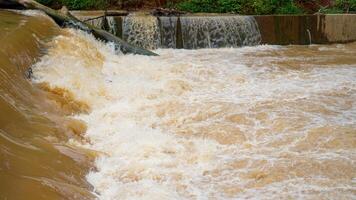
{"x": 216, "y": 31}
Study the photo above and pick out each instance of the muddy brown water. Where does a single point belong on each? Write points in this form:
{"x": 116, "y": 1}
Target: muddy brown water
{"x": 35, "y": 161}
{"x": 263, "y": 122}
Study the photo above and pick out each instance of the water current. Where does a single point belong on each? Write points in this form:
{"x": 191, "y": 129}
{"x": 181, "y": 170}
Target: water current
{"x": 81, "y": 121}
{"x": 262, "y": 122}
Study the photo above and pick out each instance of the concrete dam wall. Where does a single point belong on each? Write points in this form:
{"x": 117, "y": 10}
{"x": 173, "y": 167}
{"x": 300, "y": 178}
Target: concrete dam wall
{"x": 216, "y": 31}
{"x": 306, "y": 29}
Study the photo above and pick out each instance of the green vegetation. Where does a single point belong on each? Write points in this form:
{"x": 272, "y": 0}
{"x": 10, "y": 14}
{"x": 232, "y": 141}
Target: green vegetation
{"x": 76, "y": 4}
{"x": 240, "y": 6}
{"x": 341, "y": 6}
{"x": 84, "y": 4}
{"x": 250, "y": 7}
{"x": 262, "y": 7}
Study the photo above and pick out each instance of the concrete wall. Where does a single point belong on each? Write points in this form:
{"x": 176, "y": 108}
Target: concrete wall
{"x": 323, "y": 29}
{"x": 340, "y": 28}
{"x": 284, "y": 29}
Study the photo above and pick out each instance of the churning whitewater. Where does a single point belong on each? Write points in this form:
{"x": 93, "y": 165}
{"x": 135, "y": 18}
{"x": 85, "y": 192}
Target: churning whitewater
{"x": 264, "y": 122}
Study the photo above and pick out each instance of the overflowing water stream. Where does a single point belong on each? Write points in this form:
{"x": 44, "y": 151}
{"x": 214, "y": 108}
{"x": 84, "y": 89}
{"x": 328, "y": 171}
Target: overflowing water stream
{"x": 262, "y": 122}
{"x": 188, "y": 32}
{"x": 36, "y": 161}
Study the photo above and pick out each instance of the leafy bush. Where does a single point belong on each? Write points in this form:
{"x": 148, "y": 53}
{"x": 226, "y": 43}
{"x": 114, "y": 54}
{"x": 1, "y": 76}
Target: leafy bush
{"x": 340, "y": 6}
{"x": 247, "y": 7}
{"x": 290, "y": 8}
{"x": 199, "y": 6}
{"x": 241, "y": 6}
{"x": 84, "y": 4}
{"x": 76, "y": 4}
{"x": 332, "y": 10}
{"x": 346, "y": 5}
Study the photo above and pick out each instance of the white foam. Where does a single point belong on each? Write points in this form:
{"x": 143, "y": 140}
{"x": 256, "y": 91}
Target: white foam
{"x": 140, "y": 106}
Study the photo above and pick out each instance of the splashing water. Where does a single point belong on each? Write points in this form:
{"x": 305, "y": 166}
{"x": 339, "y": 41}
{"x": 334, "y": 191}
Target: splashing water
{"x": 189, "y": 32}
{"x": 142, "y": 31}
{"x": 219, "y": 31}
{"x": 35, "y": 160}
{"x": 168, "y": 27}
{"x": 265, "y": 122}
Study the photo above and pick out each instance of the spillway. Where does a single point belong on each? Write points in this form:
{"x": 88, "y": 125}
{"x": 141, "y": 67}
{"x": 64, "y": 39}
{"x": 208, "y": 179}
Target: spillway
{"x": 188, "y": 32}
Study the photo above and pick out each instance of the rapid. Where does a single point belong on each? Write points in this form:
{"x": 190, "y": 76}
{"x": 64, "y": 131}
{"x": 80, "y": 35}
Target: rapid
{"x": 261, "y": 122}
{"x": 36, "y": 161}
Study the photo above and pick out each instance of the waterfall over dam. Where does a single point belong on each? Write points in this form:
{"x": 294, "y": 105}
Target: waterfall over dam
{"x": 188, "y": 32}
{"x": 221, "y": 31}
{"x": 218, "y": 31}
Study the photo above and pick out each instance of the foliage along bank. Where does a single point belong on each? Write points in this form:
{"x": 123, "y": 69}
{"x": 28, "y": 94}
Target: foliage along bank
{"x": 263, "y": 7}
{"x": 251, "y": 7}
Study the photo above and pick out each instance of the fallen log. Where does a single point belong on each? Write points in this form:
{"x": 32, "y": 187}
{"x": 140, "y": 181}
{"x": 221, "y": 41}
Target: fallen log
{"x": 65, "y": 19}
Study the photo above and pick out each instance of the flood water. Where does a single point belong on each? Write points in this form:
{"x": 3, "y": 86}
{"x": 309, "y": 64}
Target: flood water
{"x": 263, "y": 122}
{"x": 36, "y": 161}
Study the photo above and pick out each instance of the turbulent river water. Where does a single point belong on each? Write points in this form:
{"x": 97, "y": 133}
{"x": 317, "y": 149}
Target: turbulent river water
{"x": 263, "y": 122}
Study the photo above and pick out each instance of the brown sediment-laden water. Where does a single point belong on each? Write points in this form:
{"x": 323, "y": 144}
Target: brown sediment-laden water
{"x": 36, "y": 161}
{"x": 262, "y": 122}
